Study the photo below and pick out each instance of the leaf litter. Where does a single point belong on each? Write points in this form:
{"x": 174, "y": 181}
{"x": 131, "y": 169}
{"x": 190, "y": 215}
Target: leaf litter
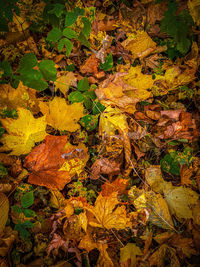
{"x": 99, "y": 129}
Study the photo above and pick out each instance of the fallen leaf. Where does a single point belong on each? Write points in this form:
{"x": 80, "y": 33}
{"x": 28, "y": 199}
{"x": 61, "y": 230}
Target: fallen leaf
{"x": 106, "y": 216}
{"x": 104, "y": 166}
{"x": 65, "y": 81}
{"x": 164, "y": 252}
{"x": 23, "y": 132}
{"x": 140, "y": 44}
{"x": 128, "y": 254}
{"x": 119, "y": 185}
{"x": 194, "y": 8}
{"x": 4, "y": 209}
{"x": 62, "y": 116}
{"x": 47, "y": 162}
{"x": 90, "y": 66}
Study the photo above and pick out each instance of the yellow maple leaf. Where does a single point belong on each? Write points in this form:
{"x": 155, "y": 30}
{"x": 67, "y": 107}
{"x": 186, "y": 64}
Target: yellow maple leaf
{"x": 65, "y": 81}
{"x": 23, "y": 96}
{"x": 62, "y": 116}
{"x": 139, "y": 44}
{"x": 23, "y": 132}
{"x": 129, "y": 252}
{"x": 142, "y": 83}
{"x": 106, "y": 216}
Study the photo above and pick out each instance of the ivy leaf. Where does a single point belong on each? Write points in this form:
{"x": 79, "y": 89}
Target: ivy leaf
{"x": 48, "y": 69}
{"x": 27, "y": 200}
{"x": 83, "y": 85}
{"x": 108, "y": 64}
{"x": 54, "y": 35}
{"x": 69, "y": 33}
{"x": 68, "y": 45}
{"x": 75, "y": 97}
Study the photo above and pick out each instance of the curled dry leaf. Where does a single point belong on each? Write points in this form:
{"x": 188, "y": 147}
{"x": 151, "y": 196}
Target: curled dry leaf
{"x": 104, "y": 166}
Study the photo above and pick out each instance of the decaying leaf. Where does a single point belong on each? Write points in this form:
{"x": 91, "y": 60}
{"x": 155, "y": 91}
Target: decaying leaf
{"x": 159, "y": 215}
{"x": 106, "y": 216}
{"x": 4, "y": 208}
{"x": 119, "y": 185}
{"x": 52, "y": 164}
{"x": 62, "y": 116}
{"x": 128, "y": 254}
{"x": 23, "y": 132}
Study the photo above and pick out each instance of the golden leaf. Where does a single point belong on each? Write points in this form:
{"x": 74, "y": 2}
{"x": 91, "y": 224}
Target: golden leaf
{"x": 140, "y": 45}
{"x": 23, "y": 132}
{"x": 129, "y": 253}
{"x": 62, "y": 116}
{"x": 65, "y": 81}
{"x": 106, "y": 216}
{"x": 194, "y": 8}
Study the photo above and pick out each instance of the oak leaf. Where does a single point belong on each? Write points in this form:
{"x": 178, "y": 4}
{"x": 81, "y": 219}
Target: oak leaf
{"x": 62, "y": 116}
{"x": 23, "y": 132}
{"x": 46, "y": 160}
{"x": 106, "y": 215}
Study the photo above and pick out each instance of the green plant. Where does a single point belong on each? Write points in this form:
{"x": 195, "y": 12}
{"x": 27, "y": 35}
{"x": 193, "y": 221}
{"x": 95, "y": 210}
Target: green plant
{"x": 172, "y": 161}
{"x": 178, "y": 26}
{"x": 6, "y": 13}
{"x": 3, "y": 170}
{"x": 64, "y": 30}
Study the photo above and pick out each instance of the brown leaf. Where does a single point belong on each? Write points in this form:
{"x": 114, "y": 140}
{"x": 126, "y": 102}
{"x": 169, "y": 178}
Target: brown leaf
{"x": 104, "y": 166}
{"x": 90, "y": 66}
{"x": 119, "y": 185}
{"x": 46, "y": 160}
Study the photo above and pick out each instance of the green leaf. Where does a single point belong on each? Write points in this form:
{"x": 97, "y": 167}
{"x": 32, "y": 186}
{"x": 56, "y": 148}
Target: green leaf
{"x": 69, "y": 33}
{"x": 3, "y": 170}
{"x": 76, "y": 96}
{"x": 54, "y": 35}
{"x": 6, "y": 67}
{"x": 170, "y": 163}
{"x": 83, "y": 40}
{"x": 89, "y": 122}
{"x": 97, "y": 107}
{"x": 27, "y": 62}
{"x": 57, "y": 10}
{"x": 89, "y": 96}
{"x": 108, "y": 64}
{"x": 70, "y": 67}
{"x": 87, "y": 27}
{"x": 27, "y": 200}
{"x": 68, "y": 45}
{"x": 83, "y": 85}
{"x": 48, "y": 70}
{"x": 16, "y": 209}
{"x": 33, "y": 79}
{"x": 29, "y": 213}
{"x": 79, "y": 11}
{"x": 70, "y": 18}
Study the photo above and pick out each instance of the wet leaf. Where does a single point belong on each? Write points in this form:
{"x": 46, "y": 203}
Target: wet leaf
{"x": 129, "y": 253}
